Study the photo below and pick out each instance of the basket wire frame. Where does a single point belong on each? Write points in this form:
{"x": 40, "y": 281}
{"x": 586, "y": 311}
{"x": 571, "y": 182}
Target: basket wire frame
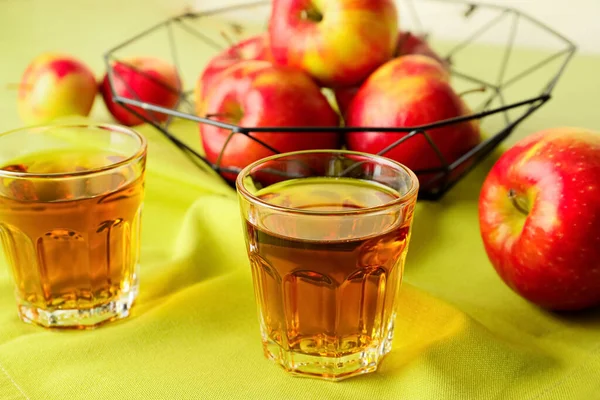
{"x": 443, "y": 177}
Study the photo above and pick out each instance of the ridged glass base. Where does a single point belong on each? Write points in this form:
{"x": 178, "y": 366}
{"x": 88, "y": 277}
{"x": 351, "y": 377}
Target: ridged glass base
{"x": 79, "y": 318}
{"x": 329, "y": 368}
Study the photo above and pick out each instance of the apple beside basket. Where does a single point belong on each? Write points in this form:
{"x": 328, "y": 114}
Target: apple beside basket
{"x": 213, "y": 32}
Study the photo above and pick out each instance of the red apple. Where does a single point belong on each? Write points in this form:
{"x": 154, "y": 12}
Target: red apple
{"x": 539, "y": 215}
{"x": 406, "y": 92}
{"x": 253, "y": 48}
{"x": 258, "y": 94}
{"x": 338, "y": 42}
{"x": 408, "y": 44}
{"x": 55, "y": 85}
{"x": 146, "y": 79}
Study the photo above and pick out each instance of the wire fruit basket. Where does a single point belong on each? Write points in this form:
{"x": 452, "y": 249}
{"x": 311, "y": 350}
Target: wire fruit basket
{"x": 496, "y": 96}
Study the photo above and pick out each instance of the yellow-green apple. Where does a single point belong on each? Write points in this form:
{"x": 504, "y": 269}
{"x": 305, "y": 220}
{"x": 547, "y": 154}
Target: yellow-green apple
{"x": 55, "y": 85}
{"x": 260, "y": 94}
{"x": 146, "y": 79}
{"x": 254, "y": 48}
{"x": 338, "y": 42}
{"x": 408, "y": 44}
{"x": 539, "y": 214}
{"x": 406, "y": 92}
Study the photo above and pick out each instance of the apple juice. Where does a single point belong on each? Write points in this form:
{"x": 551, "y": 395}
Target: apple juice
{"x": 327, "y": 286}
{"x": 71, "y": 243}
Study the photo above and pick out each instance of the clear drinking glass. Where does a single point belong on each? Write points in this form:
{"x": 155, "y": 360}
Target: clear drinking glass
{"x": 327, "y": 233}
{"x": 70, "y": 206}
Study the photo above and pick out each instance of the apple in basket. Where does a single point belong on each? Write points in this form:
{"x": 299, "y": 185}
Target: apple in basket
{"x": 338, "y": 42}
{"x": 260, "y": 94}
{"x": 539, "y": 214}
{"x": 146, "y": 79}
{"x": 253, "y": 48}
{"x": 55, "y": 85}
{"x": 408, "y": 43}
{"x": 410, "y": 91}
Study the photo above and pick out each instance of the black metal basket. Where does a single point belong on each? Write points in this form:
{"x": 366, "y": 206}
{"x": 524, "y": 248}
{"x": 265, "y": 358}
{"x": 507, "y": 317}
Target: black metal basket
{"x": 500, "y": 108}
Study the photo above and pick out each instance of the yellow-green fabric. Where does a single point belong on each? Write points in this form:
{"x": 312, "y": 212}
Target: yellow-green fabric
{"x": 193, "y": 333}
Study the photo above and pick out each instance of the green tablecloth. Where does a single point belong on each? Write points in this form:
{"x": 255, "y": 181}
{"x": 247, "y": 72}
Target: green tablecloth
{"x": 193, "y": 333}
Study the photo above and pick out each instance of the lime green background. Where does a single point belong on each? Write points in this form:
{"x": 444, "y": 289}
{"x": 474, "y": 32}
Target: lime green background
{"x": 193, "y": 333}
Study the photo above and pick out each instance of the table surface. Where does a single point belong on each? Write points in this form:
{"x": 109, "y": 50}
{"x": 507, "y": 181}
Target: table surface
{"x": 193, "y": 332}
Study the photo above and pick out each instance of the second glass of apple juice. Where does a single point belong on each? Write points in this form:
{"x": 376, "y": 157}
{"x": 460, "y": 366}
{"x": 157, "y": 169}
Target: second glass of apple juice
{"x": 327, "y": 233}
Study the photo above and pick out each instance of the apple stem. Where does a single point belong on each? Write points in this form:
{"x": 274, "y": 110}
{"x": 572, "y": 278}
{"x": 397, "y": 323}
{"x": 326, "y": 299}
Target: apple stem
{"x": 312, "y": 14}
{"x": 518, "y": 202}
{"x": 220, "y": 115}
{"x": 237, "y": 28}
{"x": 479, "y": 89}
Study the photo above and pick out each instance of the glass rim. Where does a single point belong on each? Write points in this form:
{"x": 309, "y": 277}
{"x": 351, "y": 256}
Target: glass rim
{"x": 410, "y": 193}
{"x": 139, "y": 153}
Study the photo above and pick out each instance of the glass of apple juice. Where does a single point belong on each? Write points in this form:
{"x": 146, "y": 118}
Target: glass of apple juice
{"x": 70, "y": 206}
{"x": 327, "y": 233}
